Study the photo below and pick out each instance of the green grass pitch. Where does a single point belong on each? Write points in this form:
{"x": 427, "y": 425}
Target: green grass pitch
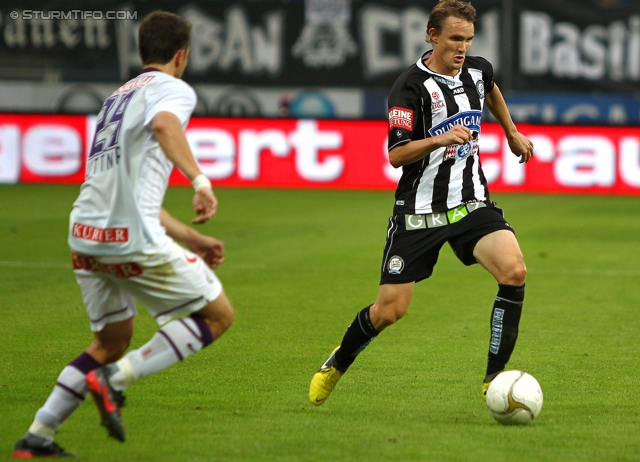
{"x": 299, "y": 265}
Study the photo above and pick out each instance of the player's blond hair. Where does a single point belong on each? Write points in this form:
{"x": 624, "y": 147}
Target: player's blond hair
{"x": 446, "y": 8}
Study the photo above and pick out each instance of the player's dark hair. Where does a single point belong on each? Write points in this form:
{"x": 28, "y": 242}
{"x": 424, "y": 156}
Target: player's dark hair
{"x": 446, "y": 8}
{"x": 161, "y": 35}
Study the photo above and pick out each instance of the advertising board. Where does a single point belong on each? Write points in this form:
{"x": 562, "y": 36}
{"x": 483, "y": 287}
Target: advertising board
{"x": 331, "y": 154}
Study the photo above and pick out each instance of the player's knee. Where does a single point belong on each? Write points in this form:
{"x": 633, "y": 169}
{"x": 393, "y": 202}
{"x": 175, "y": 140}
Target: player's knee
{"x": 516, "y": 274}
{"x": 226, "y": 318}
{"x": 112, "y": 350}
{"x": 220, "y": 318}
{"x": 120, "y": 348}
{"x": 394, "y": 316}
{"x": 385, "y": 315}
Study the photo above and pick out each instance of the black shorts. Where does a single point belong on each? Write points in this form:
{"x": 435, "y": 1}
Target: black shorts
{"x": 410, "y": 255}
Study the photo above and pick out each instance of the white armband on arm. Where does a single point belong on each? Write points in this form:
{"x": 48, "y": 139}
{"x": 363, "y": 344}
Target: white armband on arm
{"x": 200, "y": 182}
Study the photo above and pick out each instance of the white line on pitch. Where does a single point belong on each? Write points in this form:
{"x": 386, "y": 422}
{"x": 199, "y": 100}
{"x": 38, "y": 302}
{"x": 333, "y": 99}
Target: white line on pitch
{"x": 260, "y": 266}
{"x": 34, "y": 264}
{"x": 589, "y": 272}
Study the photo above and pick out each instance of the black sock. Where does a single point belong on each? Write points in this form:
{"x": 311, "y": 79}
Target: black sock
{"x": 505, "y": 319}
{"x": 359, "y": 334}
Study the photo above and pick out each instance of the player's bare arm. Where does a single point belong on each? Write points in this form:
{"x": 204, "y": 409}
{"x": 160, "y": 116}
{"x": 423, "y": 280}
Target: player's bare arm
{"x": 167, "y": 129}
{"x": 211, "y": 250}
{"x": 416, "y": 150}
{"x": 519, "y": 144}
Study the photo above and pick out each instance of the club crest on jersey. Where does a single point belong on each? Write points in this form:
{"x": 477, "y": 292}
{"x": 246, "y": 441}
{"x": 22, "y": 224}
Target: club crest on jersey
{"x": 480, "y": 88}
{"x": 400, "y": 117}
{"x": 471, "y": 120}
{"x": 395, "y": 265}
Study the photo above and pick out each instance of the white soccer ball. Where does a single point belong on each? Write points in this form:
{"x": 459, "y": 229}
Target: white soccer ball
{"x": 514, "y": 398}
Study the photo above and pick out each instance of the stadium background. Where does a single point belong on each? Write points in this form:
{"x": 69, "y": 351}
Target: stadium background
{"x": 330, "y": 62}
{"x": 291, "y": 114}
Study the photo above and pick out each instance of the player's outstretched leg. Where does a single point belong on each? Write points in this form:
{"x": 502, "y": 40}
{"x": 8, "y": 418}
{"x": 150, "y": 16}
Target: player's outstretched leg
{"x": 359, "y": 334}
{"x": 499, "y": 253}
{"x": 108, "y": 400}
{"x": 31, "y": 446}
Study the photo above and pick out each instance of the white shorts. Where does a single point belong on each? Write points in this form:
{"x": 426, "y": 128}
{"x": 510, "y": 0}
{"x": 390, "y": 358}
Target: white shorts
{"x": 168, "y": 280}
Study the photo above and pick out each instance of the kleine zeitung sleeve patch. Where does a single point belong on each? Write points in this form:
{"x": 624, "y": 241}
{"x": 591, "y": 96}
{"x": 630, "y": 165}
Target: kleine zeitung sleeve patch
{"x": 400, "y": 117}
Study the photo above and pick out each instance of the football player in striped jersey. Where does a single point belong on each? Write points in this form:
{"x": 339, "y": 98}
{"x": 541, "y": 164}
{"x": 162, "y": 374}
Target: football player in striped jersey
{"x": 435, "y": 112}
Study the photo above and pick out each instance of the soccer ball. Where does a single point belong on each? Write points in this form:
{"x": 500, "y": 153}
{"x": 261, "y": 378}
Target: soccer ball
{"x": 514, "y": 398}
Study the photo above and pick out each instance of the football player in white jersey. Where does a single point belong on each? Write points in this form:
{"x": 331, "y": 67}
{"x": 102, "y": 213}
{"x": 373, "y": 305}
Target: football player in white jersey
{"x": 123, "y": 247}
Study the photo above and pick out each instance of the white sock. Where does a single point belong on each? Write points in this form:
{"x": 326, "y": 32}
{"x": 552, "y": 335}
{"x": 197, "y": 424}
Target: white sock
{"x": 175, "y": 342}
{"x": 69, "y": 392}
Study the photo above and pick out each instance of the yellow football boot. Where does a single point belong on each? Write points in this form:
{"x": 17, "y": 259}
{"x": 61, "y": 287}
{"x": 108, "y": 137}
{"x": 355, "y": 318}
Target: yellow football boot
{"x": 485, "y": 386}
{"x": 324, "y": 381}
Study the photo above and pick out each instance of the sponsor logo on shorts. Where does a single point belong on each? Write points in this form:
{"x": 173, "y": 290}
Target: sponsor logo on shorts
{"x": 437, "y": 219}
{"x": 457, "y": 214}
{"x": 395, "y": 265}
{"x": 190, "y": 259}
{"x": 400, "y": 117}
{"x": 119, "y": 270}
{"x": 415, "y": 222}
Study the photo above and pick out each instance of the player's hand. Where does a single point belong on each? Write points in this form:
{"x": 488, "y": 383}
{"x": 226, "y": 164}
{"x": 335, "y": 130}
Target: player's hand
{"x": 205, "y": 205}
{"x": 521, "y": 146}
{"x": 211, "y": 250}
{"x": 457, "y": 135}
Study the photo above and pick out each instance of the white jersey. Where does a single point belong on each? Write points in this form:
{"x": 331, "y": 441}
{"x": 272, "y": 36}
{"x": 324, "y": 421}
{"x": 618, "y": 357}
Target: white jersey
{"x": 118, "y": 209}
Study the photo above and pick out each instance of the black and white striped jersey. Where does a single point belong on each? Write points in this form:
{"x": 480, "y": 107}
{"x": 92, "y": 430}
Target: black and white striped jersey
{"x": 423, "y": 103}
